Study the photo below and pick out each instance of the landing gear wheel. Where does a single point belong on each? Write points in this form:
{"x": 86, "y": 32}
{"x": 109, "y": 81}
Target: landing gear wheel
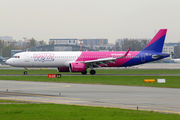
{"x": 84, "y": 73}
{"x": 25, "y": 72}
{"x": 92, "y": 72}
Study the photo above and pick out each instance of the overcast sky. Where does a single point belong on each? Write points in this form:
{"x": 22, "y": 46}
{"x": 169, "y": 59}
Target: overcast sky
{"x": 111, "y": 19}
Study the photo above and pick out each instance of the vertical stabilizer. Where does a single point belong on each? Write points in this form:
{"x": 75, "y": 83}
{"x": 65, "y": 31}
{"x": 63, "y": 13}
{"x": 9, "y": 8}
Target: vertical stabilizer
{"x": 156, "y": 44}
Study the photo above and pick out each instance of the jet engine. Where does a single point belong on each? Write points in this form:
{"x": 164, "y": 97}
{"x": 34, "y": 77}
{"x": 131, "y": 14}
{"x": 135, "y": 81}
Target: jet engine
{"x": 63, "y": 69}
{"x": 77, "y": 67}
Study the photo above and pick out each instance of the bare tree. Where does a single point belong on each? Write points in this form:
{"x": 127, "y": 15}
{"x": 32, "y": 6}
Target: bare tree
{"x": 32, "y": 43}
{"x": 42, "y": 42}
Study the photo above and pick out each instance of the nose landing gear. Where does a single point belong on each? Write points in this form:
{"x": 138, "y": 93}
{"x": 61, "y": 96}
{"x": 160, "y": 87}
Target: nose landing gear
{"x": 25, "y": 72}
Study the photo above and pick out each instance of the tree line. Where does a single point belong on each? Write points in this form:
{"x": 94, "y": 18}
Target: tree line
{"x": 134, "y": 44}
{"x": 7, "y": 46}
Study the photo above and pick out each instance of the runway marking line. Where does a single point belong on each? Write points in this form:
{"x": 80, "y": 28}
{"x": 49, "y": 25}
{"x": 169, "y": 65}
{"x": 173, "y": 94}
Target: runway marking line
{"x": 26, "y": 94}
{"x": 39, "y": 87}
{"x": 151, "y": 107}
{"x": 32, "y": 95}
{"x": 143, "y": 99}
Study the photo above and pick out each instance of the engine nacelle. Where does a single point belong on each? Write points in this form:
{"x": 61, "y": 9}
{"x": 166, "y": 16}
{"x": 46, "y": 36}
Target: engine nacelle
{"x": 63, "y": 69}
{"x": 77, "y": 67}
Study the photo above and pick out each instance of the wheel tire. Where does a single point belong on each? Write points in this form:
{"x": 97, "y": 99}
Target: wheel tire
{"x": 92, "y": 72}
{"x": 25, "y": 72}
{"x": 84, "y": 73}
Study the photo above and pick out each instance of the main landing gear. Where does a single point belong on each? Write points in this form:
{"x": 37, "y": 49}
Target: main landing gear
{"x": 84, "y": 73}
{"x": 92, "y": 72}
{"x": 25, "y": 72}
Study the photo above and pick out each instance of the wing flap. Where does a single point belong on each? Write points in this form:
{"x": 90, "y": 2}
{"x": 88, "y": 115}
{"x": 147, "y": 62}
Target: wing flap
{"x": 100, "y": 60}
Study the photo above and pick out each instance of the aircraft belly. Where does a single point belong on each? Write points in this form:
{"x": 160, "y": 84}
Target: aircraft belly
{"x": 44, "y": 64}
{"x": 55, "y": 63}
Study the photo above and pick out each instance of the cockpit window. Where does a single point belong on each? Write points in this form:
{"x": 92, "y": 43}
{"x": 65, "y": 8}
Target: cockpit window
{"x": 15, "y": 56}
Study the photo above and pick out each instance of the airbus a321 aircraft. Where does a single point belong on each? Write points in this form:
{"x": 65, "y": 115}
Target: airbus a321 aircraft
{"x": 175, "y": 59}
{"x": 80, "y": 61}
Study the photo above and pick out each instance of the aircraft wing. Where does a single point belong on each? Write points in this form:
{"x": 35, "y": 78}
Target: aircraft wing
{"x": 104, "y": 61}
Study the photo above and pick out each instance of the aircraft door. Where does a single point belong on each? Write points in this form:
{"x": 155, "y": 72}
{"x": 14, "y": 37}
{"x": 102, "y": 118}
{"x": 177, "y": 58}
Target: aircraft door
{"x": 143, "y": 57}
{"x": 27, "y": 57}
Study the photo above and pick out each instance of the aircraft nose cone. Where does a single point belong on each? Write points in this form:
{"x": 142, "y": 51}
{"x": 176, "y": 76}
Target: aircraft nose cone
{"x": 7, "y": 62}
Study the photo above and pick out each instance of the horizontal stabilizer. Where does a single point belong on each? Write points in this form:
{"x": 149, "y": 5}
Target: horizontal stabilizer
{"x": 160, "y": 55}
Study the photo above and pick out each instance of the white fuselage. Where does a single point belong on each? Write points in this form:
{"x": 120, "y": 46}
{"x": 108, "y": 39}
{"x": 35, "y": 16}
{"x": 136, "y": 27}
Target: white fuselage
{"x": 176, "y": 60}
{"x": 43, "y": 59}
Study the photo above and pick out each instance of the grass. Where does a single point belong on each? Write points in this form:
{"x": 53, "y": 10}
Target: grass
{"x": 74, "y": 112}
{"x": 171, "y": 81}
{"x": 98, "y": 71}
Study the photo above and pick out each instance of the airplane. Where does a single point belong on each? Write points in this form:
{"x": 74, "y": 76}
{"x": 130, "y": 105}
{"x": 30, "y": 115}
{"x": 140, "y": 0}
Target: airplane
{"x": 1, "y": 59}
{"x": 175, "y": 59}
{"x": 82, "y": 60}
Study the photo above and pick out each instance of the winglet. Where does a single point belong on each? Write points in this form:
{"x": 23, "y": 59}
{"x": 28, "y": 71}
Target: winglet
{"x": 125, "y": 54}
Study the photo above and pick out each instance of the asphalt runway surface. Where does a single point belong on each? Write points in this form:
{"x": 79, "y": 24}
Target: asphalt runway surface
{"x": 165, "y": 100}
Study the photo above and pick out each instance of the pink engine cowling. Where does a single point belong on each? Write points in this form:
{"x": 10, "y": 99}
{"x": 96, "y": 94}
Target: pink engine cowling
{"x": 63, "y": 69}
{"x": 77, "y": 67}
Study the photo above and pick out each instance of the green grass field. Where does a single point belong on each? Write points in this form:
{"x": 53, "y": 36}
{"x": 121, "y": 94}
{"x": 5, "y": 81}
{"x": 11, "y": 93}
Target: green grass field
{"x": 171, "y": 81}
{"x": 98, "y": 71}
{"x": 74, "y": 112}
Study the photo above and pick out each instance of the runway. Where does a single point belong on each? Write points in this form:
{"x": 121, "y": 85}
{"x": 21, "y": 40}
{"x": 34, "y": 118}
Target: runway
{"x": 127, "y": 97}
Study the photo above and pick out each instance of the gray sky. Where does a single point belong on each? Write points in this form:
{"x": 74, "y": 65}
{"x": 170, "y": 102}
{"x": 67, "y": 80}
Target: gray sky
{"x": 111, "y": 19}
